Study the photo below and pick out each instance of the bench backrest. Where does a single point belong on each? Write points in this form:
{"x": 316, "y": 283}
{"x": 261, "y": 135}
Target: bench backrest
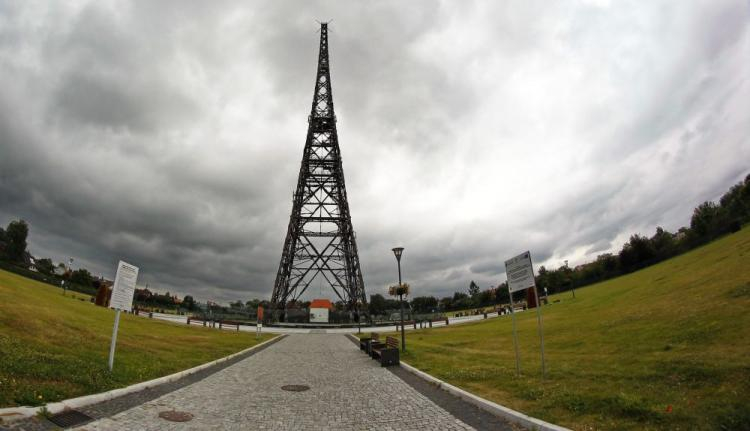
{"x": 391, "y": 342}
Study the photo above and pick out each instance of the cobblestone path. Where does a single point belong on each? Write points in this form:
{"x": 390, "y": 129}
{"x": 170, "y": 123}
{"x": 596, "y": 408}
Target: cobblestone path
{"x": 348, "y": 391}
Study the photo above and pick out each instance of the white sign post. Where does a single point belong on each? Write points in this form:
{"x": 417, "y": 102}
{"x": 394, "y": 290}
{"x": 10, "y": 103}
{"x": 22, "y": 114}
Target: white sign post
{"x": 122, "y": 299}
{"x": 520, "y": 273}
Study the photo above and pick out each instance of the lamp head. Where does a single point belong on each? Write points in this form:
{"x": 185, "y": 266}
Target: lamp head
{"x": 397, "y": 251}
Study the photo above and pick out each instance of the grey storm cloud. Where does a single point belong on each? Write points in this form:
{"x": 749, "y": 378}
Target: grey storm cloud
{"x": 169, "y": 134}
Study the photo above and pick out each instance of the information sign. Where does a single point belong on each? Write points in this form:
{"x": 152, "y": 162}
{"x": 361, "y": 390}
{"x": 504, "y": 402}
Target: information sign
{"x": 124, "y": 288}
{"x": 520, "y": 272}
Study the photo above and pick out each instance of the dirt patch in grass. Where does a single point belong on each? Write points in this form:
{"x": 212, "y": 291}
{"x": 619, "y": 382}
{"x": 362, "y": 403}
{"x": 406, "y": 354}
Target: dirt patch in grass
{"x": 741, "y": 291}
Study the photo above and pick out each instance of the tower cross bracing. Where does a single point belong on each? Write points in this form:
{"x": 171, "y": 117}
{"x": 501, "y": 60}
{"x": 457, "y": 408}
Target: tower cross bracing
{"x": 320, "y": 245}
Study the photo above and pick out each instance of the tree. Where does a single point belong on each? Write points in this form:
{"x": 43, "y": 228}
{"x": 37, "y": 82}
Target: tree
{"x": 424, "y": 304}
{"x": 484, "y": 298}
{"x": 82, "y": 277}
{"x": 501, "y": 293}
{"x": 736, "y": 203}
{"x": 663, "y": 243}
{"x": 16, "y": 234}
{"x": 636, "y": 253}
{"x": 473, "y": 289}
{"x": 143, "y": 295}
{"x": 164, "y": 300}
{"x": 706, "y": 221}
{"x": 188, "y": 302}
{"x": 377, "y": 304}
{"x": 608, "y": 263}
{"x": 45, "y": 266}
{"x": 461, "y": 301}
{"x": 446, "y": 303}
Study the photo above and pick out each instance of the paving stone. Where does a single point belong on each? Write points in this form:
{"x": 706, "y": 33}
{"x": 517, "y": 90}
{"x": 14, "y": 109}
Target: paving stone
{"x": 347, "y": 391}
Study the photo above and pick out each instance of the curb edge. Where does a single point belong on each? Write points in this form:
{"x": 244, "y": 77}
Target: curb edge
{"x": 484, "y": 404}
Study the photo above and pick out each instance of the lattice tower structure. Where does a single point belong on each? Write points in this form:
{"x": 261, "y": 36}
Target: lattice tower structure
{"x": 320, "y": 245}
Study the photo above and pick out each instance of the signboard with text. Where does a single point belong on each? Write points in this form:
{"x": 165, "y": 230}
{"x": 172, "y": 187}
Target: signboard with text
{"x": 124, "y": 288}
{"x": 520, "y": 272}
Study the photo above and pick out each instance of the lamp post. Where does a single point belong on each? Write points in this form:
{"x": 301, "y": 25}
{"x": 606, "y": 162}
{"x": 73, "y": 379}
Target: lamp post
{"x": 70, "y": 268}
{"x": 397, "y": 251}
{"x": 567, "y": 272}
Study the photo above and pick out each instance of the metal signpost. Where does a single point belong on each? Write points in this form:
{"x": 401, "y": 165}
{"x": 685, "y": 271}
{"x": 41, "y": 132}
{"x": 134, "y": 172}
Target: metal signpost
{"x": 122, "y": 299}
{"x": 398, "y": 251}
{"x": 70, "y": 270}
{"x": 520, "y": 273}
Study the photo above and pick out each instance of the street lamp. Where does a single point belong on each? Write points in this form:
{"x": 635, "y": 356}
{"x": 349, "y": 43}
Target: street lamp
{"x": 567, "y": 273}
{"x": 70, "y": 268}
{"x": 398, "y": 251}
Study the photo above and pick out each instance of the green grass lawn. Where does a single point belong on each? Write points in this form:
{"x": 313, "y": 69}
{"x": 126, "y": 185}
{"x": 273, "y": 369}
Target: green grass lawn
{"x": 54, "y": 347}
{"x": 667, "y": 347}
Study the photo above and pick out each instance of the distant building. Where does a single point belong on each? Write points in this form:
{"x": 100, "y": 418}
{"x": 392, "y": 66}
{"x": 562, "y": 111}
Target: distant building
{"x": 32, "y": 264}
{"x": 319, "y": 310}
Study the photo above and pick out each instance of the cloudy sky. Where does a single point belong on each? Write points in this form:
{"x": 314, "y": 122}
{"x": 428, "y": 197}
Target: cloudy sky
{"x": 169, "y": 134}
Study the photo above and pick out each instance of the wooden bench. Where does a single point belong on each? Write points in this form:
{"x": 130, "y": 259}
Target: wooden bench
{"x": 386, "y": 353}
{"x": 223, "y": 323}
{"x": 192, "y": 319}
{"x": 364, "y": 342}
{"x": 212, "y": 323}
{"x": 373, "y": 342}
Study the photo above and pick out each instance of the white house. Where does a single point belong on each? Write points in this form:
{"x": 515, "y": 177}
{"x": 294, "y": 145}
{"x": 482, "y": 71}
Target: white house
{"x": 319, "y": 310}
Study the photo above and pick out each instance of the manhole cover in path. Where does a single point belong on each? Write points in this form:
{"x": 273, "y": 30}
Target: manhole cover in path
{"x": 295, "y": 388}
{"x": 69, "y": 418}
{"x": 175, "y": 416}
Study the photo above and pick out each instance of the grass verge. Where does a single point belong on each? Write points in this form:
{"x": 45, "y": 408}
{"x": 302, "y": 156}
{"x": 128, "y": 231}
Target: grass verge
{"x": 666, "y": 347}
{"x": 54, "y": 347}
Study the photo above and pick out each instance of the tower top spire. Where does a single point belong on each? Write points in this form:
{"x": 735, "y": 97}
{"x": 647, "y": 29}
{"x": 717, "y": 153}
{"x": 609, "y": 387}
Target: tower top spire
{"x": 322, "y": 105}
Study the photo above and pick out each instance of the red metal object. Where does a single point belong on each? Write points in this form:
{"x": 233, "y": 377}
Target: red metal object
{"x": 530, "y": 298}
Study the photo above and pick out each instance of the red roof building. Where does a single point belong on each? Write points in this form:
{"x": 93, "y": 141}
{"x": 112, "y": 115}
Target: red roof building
{"x": 321, "y": 303}
{"x": 319, "y": 310}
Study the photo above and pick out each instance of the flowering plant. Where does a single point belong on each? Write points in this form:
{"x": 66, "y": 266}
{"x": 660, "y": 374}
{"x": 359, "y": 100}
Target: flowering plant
{"x": 403, "y": 289}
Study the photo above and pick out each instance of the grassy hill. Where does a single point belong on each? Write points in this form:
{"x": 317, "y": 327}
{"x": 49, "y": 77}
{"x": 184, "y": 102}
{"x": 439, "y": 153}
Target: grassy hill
{"x": 667, "y": 347}
{"x": 54, "y": 347}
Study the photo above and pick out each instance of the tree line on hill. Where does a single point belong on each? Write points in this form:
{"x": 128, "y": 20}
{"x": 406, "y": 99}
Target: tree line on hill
{"x": 14, "y": 257}
{"x": 709, "y": 221}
